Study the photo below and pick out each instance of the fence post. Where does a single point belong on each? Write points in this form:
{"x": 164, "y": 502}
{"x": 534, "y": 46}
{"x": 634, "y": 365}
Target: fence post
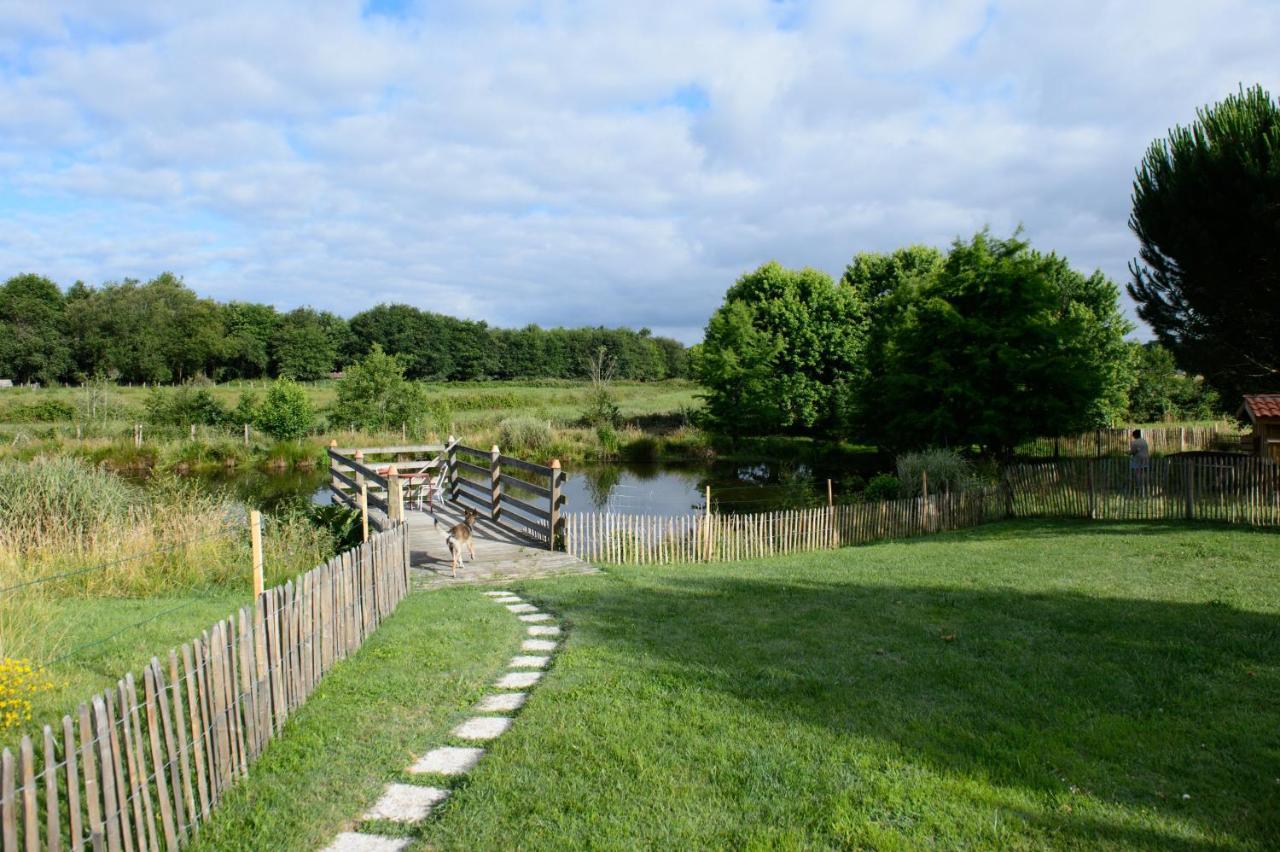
{"x": 246, "y": 434}
{"x": 395, "y": 496}
{"x": 358, "y": 457}
{"x": 255, "y": 544}
{"x": 831, "y": 516}
{"x": 924, "y": 498}
{"x": 1188, "y": 471}
{"x": 1182, "y": 438}
{"x": 1093, "y": 496}
{"x": 193, "y": 431}
{"x": 364, "y": 511}
{"x": 451, "y": 468}
{"x": 556, "y": 520}
{"x": 706, "y": 524}
{"x": 495, "y": 483}
{"x": 1007, "y": 486}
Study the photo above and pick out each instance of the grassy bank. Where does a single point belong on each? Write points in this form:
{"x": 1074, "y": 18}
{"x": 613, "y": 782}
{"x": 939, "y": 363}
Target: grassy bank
{"x": 98, "y": 574}
{"x": 1019, "y": 686}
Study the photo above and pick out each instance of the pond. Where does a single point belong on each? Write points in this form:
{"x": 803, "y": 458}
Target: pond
{"x": 637, "y": 488}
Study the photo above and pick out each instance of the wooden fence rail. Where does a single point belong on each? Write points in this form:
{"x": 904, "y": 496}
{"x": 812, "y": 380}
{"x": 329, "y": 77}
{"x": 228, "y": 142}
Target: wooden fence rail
{"x": 653, "y": 539}
{"x": 142, "y": 765}
{"x": 1163, "y": 440}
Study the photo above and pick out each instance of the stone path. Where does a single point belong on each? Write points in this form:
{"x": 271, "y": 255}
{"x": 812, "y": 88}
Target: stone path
{"x": 413, "y": 803}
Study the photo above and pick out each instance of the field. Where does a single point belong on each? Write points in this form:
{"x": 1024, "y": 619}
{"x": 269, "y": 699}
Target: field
{"x": 35, "y": 421}
{"x": 1019, "y": 685}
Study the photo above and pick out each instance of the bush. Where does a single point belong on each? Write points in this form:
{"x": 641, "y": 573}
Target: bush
{"x": 947, "y": 470}
{"x": 884, "y": 486}
{"x": 246, "y": 410}
{"x": 286, "y": 414}
{"x": 524, "y": 433}
{"x": 609, "y": 441}
{"x": 601, "y": 410}
{"x": 183, "y": 406}
{"x": 374, "y": 395}
{"x": 45, "y": 411}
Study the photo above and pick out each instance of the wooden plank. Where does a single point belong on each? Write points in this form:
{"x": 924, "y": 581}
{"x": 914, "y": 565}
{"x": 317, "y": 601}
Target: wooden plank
{"x": 392, "y": 450}
{"x": 106, "y": 760}
{"x": 75, "y": 827}
{"x": 137, "y": 771}
{"x": 180, "y": 729}
{"x": 200, "y": 781}
{"x": 170, "y": 749}
{"x": 521, "y": 464}
{"x": 53, "y": 823}
{"x": 30, "y": 818}
{"x": 516, "y": 482}
{"x": 8, "y": 802}
{"x": 536, "y": 512}
{"x": 154, "y": 703}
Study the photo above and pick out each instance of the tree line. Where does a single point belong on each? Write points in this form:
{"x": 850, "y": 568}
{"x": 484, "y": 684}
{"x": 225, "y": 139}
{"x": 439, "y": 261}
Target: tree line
{"x": 992, "y": 342}
{"x": 160, "y": 331}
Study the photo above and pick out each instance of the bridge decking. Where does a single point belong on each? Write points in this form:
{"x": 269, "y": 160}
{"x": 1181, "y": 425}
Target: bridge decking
{"x": 500, "y": 555}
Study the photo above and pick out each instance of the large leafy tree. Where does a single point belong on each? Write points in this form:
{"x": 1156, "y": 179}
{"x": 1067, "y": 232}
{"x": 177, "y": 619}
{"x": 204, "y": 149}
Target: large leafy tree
{"x": 1163, "y": 392}
{"x": 780, "y": 352}
{"x": 373, "y": 394}
{"x": 1000, "y": 345}
{"x": 304, "y": 346}
{"x": 247, "y": 350}
{"x": 33, "y": 340}
{"x": 1206, "y": 210}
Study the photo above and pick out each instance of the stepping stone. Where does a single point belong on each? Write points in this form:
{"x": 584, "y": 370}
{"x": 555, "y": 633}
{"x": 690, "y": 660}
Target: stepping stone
{"x": 406, "y": 803}
{"x": 353, "y": 841}
{"x": 497, "y": 594}
{"x": 521, "y": 607}
{"x": 449, "y": 760}
{"x": 504, "y": 703}
{"x": 534, "y": 617}
{"x": 528, "y": 662}
{"x": 538, "y": 645}
{"x": 518, "y": 680}
{"x": 544, "y": 630}
{"x": 482, "y": 728}
{"x": 508, "y": 599}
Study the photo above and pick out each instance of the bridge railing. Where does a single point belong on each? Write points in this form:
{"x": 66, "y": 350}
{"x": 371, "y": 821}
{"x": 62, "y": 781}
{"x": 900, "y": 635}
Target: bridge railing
{"x": 519, "y": 496}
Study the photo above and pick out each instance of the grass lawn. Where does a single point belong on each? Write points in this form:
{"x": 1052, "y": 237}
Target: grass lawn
{"x": 108, "y": 644}
{"x": 1022, "y": 685}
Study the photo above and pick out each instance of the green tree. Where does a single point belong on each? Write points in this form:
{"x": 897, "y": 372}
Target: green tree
{"x": 33, "y": 340}
{"x": 286, "y": 414}
{"x": 373, "y": 394}
{"x": 247, "y": 349}
{"x": 1002, "y": 344}
{"x": 1206, "y": 210}
{"x": 1161, "y": 391}
{"x": 886, "y": 285}
{"x": 304, "y": 347}
{"x": 781, "y": 352}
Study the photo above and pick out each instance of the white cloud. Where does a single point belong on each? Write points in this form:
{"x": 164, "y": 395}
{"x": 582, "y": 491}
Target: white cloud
{"x": 556, "y": 162}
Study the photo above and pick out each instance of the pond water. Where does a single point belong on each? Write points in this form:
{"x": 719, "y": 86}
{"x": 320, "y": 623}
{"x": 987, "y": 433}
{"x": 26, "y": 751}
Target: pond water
{"x": 651, "y": 489}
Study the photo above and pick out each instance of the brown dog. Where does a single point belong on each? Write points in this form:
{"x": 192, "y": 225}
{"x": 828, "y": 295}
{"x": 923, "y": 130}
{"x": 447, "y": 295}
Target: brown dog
{"x": 459, "y": 536}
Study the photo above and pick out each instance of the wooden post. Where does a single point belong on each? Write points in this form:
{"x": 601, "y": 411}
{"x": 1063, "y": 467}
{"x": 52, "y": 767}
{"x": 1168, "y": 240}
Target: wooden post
{"x": 495, "y": 483}
{"x": 137, "y": 435}
{"x": 255, "y": 542}
{"x": 246, "y": 434}
{"x": 556, "y": 520}
{"x": 451, "y": 469}
{"x": 364, "y": 511}
{"x": 1188, "y": 472}
{"x": 402, "y": 433}
{"x": 1093, "y": 493}
{"x": 193, "y": 431}
{"x": 831, "y": 515}
{"x": 395, "y": 496}
{"x": 924, "y": 496}
{"x": 1182, "y": 438}
{"x": 706, "y": 524}
{"x": 77, "y": 431}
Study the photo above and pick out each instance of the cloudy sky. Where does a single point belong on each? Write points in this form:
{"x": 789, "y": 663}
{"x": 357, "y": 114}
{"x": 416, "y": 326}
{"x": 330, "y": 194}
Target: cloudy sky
{"x": 575, "y": 162}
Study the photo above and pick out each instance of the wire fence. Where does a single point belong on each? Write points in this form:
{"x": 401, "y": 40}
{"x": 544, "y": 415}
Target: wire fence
{"x": 144, "y": 771}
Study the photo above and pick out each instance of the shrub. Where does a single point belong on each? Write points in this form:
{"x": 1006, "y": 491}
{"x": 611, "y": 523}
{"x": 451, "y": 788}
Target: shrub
{"x": 19, "y": 683}
{"x": 246, "y": 410}
{"x": 374, "y": 395}
{"x": 601, "y": 410}
{"x": 286, "y": 414}
{"x": 607, "y": 436}
{"x": 183, "y": 406}
{"x": 524, "y": 433}
{"x": 884, "y": 486}
{"x": 45, "y": 411}
{"x": 947, "y": 471}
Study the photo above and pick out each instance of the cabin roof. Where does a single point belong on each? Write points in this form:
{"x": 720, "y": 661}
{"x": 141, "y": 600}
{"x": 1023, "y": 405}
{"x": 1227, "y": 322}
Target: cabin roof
{"x": 1262, "y": 406}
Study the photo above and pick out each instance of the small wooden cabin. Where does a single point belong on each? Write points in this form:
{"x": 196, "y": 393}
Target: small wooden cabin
{"x": 1263, "y": 411}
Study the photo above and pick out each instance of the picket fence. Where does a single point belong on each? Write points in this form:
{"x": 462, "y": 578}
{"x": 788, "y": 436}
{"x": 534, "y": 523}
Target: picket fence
{"x": 1163, "y": 440}
{"x": 143, "y": 771}
{"x": 653, "y": 539}
{"x": 1230, "y": 489}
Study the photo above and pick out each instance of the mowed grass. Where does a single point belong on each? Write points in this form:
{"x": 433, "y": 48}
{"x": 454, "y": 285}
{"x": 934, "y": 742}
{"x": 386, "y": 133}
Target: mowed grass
{"x": 371, "y": 716}
{"x": 1024, "y": 685}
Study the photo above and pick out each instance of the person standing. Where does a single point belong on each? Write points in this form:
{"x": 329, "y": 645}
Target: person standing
{"x": 1139, "y": 461}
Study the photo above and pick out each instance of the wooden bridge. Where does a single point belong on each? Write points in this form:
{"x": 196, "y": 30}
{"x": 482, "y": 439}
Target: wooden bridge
{"x": 520, "y": 533}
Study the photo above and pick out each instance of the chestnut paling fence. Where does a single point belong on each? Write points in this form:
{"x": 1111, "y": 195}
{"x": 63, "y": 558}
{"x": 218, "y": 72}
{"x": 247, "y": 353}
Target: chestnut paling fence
{"x": 142, "y": 765}
{"x": 1239, "y": 490}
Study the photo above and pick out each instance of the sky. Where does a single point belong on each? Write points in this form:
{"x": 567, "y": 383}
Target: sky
{"x": 581, "y": 163}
